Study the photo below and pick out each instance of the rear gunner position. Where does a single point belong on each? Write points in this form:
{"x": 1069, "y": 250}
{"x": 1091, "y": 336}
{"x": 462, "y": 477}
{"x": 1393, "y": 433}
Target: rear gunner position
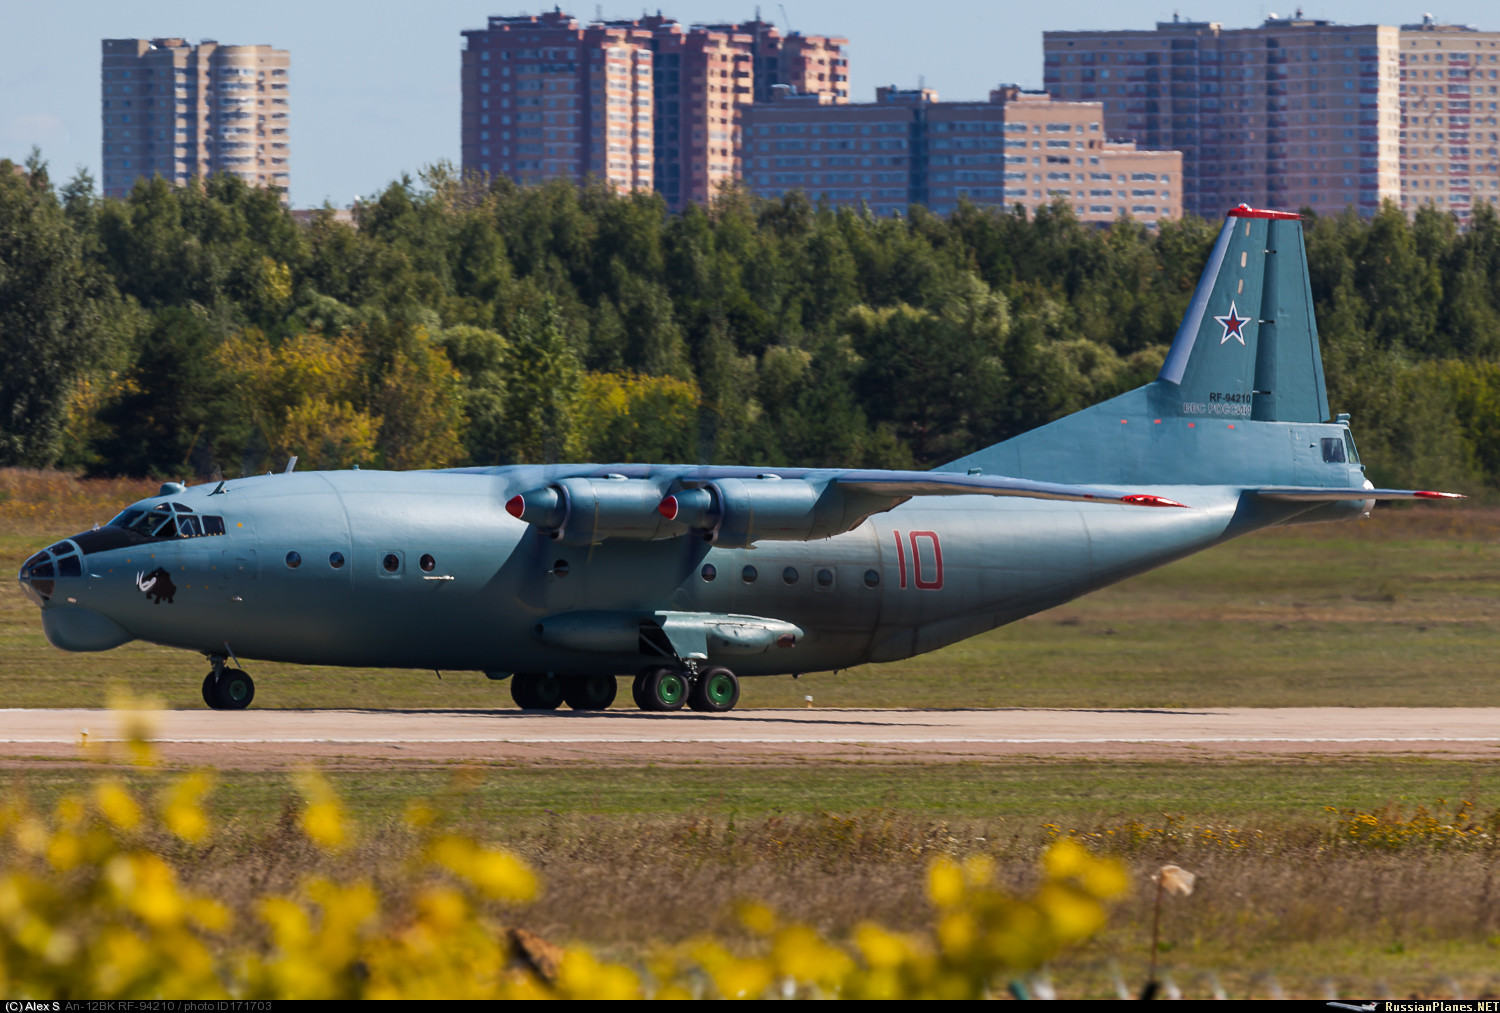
{"x": 563, "y": 577}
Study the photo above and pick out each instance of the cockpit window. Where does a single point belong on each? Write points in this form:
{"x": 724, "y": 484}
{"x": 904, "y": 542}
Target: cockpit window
{"x": 168, "y": 520}
{"x": 1333, "y": 450}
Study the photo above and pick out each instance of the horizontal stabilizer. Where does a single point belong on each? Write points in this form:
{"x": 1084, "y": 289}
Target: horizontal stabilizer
{"x": 937, "y": 483}
{"x": 1323, "y": 495}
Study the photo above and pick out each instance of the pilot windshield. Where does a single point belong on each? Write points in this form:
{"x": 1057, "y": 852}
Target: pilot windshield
{"x": 167, "y": 520}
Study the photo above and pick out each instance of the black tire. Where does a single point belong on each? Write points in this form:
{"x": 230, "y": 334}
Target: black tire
{"x": 638, "y": 689}
{"x": 716, "y": 690}
{"x": 665, "y": 689}
{"x": 536, "y": 691}
{"x": 233, "y": 690}
{"x": 590, "y": 692}
{"x": 210, "y": 690}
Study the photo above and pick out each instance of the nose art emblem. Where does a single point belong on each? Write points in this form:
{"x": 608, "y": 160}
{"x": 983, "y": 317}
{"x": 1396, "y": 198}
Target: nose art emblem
{"x": 157, "y": 585}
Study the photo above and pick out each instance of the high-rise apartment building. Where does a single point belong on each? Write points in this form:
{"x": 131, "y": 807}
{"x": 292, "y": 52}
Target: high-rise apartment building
{"x": 1450, "y": 117}
{"x": 1296, "y": 112}
{"x": 692, "y": 83}
{"x": 1019, "y": 149}
{"x": 546, "y": 96}
{"x": 1301, "y": 112}
{"x": 177, "y": 111}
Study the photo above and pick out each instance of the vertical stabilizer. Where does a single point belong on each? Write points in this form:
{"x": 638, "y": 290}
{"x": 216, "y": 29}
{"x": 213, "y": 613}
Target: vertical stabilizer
{"x": 1248, "y": 346}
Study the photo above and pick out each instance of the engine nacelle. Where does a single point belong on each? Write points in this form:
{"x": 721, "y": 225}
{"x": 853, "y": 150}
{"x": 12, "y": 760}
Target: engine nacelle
{"x": 581, "y": 511}
{"x": 735, "y": 512}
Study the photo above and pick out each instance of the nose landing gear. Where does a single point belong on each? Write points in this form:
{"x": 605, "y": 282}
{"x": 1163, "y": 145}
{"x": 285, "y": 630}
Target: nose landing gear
{"x": 227, "y": 689}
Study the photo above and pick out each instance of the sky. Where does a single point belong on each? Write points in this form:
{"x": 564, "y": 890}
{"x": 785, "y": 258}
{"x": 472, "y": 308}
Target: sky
{"x": 375, "y": 85}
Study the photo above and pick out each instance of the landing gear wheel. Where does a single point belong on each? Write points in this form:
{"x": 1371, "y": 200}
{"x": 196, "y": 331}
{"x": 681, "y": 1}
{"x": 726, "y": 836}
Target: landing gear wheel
{"x": 664, "y": 689}
{"x": 536, "y": 691}
{"x": 210, "y": 689}
{"x": 638, "y": 689}
{"x": 233, "y": 690}
{"x": 590, "y": 692}
{"x": 716, "y": 691}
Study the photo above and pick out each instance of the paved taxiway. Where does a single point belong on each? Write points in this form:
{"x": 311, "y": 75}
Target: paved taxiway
{"x": 273, "y": 737}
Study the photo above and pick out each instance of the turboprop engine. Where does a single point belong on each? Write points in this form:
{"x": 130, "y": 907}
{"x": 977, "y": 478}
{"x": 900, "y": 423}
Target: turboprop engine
{"x": 732, "y": 512}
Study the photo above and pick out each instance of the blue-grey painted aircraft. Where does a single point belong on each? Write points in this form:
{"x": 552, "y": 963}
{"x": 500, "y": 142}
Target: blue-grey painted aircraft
{"x": 564, "y": 577}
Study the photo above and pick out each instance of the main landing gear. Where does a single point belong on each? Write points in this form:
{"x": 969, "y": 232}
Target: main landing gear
{"x": 543, "y": 691}
{"x": 227, "y": 689}
{"x": 662, "y": 688}
{"x": 658, "y": 688}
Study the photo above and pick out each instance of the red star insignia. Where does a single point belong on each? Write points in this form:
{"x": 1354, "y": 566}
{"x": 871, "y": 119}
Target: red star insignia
{"x": 1233, "y": 325}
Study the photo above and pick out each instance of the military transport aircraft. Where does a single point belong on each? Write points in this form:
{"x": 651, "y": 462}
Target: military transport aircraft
{"x": 563, "y": 577}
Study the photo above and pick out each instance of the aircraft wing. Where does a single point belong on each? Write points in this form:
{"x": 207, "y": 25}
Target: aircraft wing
{"x": 1318, "y": 494}
{"x": 929, "y": 483}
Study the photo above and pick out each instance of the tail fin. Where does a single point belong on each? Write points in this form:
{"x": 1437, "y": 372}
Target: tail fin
{"x": 1246, "y": 353}
{"x": 1248, "y": 345}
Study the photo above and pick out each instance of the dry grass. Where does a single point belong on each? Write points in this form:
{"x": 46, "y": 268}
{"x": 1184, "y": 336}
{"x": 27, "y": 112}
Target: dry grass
{"x": 1284, "y": 888}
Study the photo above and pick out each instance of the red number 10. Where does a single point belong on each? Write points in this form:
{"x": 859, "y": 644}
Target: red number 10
{"x": 918, "y": 576}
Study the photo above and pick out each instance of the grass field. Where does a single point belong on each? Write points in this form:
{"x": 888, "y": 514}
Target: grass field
{"x": 1397, "y": 610}
{"x": 637, "y": 856}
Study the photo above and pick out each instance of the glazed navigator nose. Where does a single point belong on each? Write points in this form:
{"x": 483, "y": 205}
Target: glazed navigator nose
{"x": 40, "y": 573}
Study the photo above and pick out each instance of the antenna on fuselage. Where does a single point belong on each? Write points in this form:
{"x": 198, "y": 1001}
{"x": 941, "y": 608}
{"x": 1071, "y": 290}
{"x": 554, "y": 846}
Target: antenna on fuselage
{"x": 291, "y": 465}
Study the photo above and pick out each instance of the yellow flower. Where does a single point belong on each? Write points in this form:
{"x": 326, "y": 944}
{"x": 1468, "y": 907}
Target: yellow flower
{"x": 181, "y": 810}
{"x": 117, "y": 804}
{"x": 945, "y": 883}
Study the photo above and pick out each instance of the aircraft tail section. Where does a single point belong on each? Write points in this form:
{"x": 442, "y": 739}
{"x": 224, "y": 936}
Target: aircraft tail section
{"x": 1240, "y": 398}
{"x": 1248, "y": 346}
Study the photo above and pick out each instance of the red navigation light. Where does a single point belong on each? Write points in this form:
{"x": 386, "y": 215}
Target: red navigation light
{"x": 1428, "y": 494}
{"x": 1246, "y": 211}
{"x": 1142, "y": 499}
{"x": 668, "y": 508}
{"x": 515, "y": 506}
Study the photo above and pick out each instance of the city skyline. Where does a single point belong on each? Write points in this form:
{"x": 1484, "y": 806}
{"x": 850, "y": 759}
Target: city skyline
{"x": 379, "y": 92}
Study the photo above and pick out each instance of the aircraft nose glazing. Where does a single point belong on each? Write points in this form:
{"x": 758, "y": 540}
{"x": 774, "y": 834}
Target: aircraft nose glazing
{"x": 40, "y": 573}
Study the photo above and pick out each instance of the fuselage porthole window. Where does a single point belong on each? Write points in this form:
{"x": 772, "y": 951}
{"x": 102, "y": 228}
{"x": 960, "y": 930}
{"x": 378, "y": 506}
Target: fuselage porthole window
{"x": 427, "y": 563}
{"x": 748, "y": 575}
{"x": 336, "y": 560}
{"x": 709, "y": 571}
{"x": 789, "y": 575}
{"x": 293, "y": 560}
{"x": 872, "y": 578}
{"x": 390, "y": 562}
{"x": 825, "y": 577}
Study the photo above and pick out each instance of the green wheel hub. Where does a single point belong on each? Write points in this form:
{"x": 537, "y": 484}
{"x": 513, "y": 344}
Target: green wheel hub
{"x": 720, "y": 689}
{"x": 671, "y": 689}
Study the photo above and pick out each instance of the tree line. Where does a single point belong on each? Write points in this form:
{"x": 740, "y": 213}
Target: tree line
{"x": 200, "y": 331}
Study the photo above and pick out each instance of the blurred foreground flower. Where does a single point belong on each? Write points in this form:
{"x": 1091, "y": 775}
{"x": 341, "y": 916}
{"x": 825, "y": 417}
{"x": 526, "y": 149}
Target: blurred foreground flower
{"x": 92, "y": 905}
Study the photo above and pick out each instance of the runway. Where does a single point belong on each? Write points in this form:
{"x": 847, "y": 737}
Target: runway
{"x": 259, "y": 737}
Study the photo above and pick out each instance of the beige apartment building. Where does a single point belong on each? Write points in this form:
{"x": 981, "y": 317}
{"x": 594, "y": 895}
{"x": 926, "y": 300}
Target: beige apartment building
{"x": 685, "y": 87}
{"x": 176, "y": 110}
{"x": 1296, "y": 112}
{"x": 547, "y": 97}
{"x": 1019, "y": 149}
{"x": 1450, "y": 117}
{"x": 1301, "y": 112}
